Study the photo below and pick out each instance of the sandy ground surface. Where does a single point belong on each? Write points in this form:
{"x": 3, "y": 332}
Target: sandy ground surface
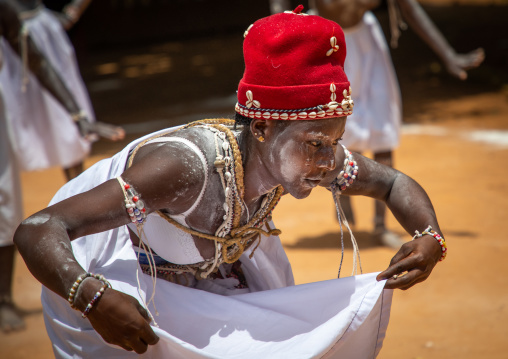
{"x": 455, "y": 143}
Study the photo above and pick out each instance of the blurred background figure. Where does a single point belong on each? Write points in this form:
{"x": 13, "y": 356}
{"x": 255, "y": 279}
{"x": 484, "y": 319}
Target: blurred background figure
{"x": 18, "y": 53}
{"x": 375, "y": 125}
{"x": 53, "y": 139}
{"x": 67, "y": 12}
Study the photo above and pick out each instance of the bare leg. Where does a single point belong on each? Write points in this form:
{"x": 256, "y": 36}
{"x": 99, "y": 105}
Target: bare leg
{"x": 74, "y": 171}
{"x": 10, "y": 317}
{"x": 387, "y": 237}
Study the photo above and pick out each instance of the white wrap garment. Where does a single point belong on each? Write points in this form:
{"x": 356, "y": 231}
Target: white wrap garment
{"x": 342, "y": 318}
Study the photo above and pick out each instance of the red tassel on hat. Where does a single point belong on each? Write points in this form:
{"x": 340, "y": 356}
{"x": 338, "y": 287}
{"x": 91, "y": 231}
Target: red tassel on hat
{"x": 298, "y": 9}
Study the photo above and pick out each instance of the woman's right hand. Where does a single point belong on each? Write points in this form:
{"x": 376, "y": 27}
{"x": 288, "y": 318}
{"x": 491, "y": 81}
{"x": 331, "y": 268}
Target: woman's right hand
{"x": 121, "y": 320}
{"x": 458, "y": 64}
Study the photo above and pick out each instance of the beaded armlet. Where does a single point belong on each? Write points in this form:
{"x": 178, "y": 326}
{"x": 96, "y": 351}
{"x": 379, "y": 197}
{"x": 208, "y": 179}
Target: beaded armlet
{"x": 133, "y": 203}
{"x": 347, "y": 176}
{"x": 344, "y": 179}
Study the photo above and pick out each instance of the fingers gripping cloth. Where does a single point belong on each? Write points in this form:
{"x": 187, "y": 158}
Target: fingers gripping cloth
{"x": 294, "y": 69}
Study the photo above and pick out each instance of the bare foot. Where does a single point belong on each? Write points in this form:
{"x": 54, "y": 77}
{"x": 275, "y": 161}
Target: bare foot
{"x": 105, "y": 130}
{"x": 458, "y": 64}
{"x": 10, "y": 318}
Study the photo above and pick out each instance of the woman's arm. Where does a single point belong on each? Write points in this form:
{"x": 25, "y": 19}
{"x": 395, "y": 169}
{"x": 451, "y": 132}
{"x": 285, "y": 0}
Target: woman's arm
{"x": 47, "y": 75}
{"x": 72, "y": 12}
{"x": 456, "y": 64}
{"x": 411, "y": 207}
{"x": 161, "y": 178}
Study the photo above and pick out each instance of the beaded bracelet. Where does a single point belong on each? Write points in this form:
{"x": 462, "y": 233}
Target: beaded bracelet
{"x": 75, "y": 286}
{"x": 95, "y": 299}
{"x": 437, "y": 236}
{"x": 80, "y": 280}
{"x": 133, "y": 203}
{"x": 77, "y": 116}
{"x": 347, "y": 176}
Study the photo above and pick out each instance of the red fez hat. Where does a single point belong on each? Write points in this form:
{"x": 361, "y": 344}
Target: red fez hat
{"x": 294, "y": 69}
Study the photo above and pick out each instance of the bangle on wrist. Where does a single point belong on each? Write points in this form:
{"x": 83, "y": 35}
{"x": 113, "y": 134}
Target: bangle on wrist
{"x": 77, "y": 116}
{"x": 79, "y": 280}
{"x": 437, "y": 237}
{"x": 95, "y": 299}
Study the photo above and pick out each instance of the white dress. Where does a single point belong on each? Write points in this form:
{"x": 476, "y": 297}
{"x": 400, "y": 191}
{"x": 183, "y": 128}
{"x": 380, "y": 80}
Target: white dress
{"x": 11, "y": 204}
{"x": 376, "y": 120}
{"x": 44, "y": 133}
{"x": 344, "y": 318}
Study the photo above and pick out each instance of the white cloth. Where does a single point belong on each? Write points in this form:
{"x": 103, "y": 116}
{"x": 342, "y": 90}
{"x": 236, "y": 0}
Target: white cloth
{"x": 344, "y": 318}
{"x": 44, "y": 133}
{"x": 11, "y": 204}
{"x": 376, "y": 119}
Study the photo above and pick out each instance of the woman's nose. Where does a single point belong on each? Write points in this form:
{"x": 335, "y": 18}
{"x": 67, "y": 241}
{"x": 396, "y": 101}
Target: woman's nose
{"x": 326, "y": 159}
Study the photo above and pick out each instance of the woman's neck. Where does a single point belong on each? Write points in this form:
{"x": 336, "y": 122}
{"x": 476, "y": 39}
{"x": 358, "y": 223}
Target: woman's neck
{"x": 257, "y": 179}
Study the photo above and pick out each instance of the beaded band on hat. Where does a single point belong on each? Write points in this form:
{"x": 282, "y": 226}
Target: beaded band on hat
{"x": 437, "y": 237}
{"x": 344, "y": 179}
{"x": 252, "y": 108}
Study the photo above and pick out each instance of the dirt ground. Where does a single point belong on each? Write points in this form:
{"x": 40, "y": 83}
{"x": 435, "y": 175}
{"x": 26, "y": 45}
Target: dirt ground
{"x": 454, "y": 143}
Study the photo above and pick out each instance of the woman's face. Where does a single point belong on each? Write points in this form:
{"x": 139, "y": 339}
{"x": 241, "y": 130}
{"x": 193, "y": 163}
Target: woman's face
{"x": 298, "y": 154}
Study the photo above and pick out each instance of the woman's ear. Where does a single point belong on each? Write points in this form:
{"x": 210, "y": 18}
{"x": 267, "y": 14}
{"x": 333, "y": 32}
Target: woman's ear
{"x": 258, "y": 129}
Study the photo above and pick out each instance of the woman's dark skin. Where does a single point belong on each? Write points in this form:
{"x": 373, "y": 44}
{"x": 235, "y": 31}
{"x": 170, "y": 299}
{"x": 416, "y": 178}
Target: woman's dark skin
{"x": 310, "y": 147}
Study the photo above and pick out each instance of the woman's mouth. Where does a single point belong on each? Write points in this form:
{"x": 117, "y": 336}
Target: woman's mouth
{"x": 313, "y": 182}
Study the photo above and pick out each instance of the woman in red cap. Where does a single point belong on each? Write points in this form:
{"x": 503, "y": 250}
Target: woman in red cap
{"x": 167, "y": 247}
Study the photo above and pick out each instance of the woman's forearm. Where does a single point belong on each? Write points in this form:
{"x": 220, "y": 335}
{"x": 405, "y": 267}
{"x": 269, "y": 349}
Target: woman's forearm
{"x": 44, "y": 244}
{"x": 37, "y": 63}
{"x": 421, "y": 23}
{"x": 411, "y": 205}
{"x": 50, "y": 79}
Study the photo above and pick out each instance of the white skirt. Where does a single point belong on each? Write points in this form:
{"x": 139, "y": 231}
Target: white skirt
{"x": 376, "y": 119}
{"x": 44, "y": 133}
{"x": 11, "y": 204}
{"x": 341, "y": 318}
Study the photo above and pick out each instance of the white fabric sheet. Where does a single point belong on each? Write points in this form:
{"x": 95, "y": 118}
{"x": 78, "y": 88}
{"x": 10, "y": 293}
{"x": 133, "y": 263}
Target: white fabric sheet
{"x": 344, "y": 318}
{"x": 376, "y": 119}
{"x": 44, "y": 133}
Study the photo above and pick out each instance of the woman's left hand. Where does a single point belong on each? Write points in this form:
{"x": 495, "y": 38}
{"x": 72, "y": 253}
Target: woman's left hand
{"x": 412, "y": 264}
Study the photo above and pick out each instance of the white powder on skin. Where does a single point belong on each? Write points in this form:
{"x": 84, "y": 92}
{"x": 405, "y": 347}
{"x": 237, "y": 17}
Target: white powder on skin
{"x": 37, "y": 219}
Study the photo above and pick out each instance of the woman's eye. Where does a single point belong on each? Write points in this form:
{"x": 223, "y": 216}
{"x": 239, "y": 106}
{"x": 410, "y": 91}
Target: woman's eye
{"x": 335, "y": 143}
